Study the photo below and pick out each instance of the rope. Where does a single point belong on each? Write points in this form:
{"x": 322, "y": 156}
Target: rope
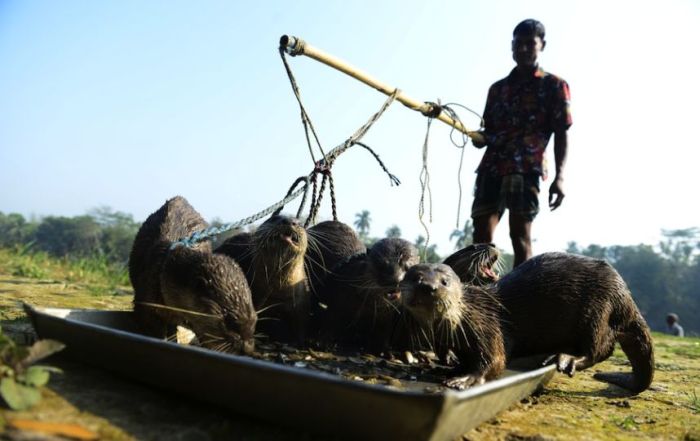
{"x": 326, "y": 161}
{"x": 324, "y": 165}
{"x": 465, "y": 140}
{"x": 433, "y": 110}
{"x": 316, "y": 202}
{"x": 425, "y": 185}
{"x": 208, "y": 233}
{"x": 305, "y": 180}
{"x": 394, "y": 180}
{"x": 305, "y": 119}
{"x": 334, "y": 208}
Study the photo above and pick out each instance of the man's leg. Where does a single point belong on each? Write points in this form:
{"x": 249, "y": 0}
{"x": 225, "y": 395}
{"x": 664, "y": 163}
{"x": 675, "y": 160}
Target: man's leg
{"x": 487, "y": 207}
{"x": 484, "y": 227}
{"x": 520, "y": 237}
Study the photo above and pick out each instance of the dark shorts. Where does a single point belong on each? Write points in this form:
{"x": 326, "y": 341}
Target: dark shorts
{"x": 518, "y": 193}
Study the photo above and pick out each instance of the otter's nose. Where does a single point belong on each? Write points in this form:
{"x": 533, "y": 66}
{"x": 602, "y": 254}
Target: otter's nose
{"x": 427, "y": 287}
{"x": 248, "y": 347}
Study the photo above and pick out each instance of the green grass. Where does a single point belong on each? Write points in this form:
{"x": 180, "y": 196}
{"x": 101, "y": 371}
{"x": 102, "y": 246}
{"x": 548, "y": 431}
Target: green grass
{"x": 101, "y": 275}
{"x": 693, "y": 401}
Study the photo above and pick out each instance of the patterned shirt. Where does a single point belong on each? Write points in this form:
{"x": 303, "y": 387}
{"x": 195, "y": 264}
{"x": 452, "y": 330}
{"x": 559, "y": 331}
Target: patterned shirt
{"x": 520, "y": 117}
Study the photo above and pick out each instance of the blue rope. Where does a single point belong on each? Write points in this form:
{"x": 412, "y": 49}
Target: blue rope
{"x": 208, "y": 233}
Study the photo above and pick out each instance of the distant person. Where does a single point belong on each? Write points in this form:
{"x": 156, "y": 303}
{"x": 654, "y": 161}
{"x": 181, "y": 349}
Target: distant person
{"x": 522, "y": 111}
{"x": 674, "y": 328}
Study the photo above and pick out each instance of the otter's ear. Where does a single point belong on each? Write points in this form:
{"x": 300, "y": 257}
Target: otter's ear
{"x": 544, "y": 43}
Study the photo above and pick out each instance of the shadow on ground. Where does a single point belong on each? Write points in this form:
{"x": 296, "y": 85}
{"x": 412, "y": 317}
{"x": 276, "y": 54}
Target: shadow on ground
{"x": 144, "y": 413}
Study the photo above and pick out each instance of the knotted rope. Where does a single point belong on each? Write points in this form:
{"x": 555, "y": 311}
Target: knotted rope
{"x": 323, "y": 164}
{"x": 433, "y": 111}
{"x": 461, "y": 144}
{"x": 425, "y": 185}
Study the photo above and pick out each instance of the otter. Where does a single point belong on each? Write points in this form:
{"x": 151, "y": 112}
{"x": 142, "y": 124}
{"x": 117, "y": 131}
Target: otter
{"x": 239, "y": 248}
{"x": 572, "y": 306}
{"x": 475, "y": 264}
{"x": 273, "y": 261}
{"x": 575, "y": 307}
{"x": 330, "y": 242}
{"x": 442, "y": 314}
{"x": 362, "y": 295}
{"x": 188, "y": 286}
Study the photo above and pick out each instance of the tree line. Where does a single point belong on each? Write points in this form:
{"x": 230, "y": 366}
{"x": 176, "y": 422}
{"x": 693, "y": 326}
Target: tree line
{"x": 101, "y": 232}
{"x": 663, "y": 278}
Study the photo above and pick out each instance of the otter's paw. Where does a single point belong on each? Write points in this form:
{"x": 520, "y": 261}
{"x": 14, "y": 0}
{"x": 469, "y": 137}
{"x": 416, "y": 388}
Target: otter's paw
{"x": 461, "y": 383}
{"x": 565, "y": 363}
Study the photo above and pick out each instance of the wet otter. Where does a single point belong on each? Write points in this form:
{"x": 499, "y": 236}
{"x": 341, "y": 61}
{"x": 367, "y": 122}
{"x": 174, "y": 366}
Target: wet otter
{"x": 188, "y": 286}
{"x": 362, "y": 295}
{"x": 330, "y": 242}
{"x": 475, "y": 264}
{"x": 273, "y": 261}
{"x": 572, "y": 306}
{"x": 575, "y": 307}
{"x": 443, "y": 315}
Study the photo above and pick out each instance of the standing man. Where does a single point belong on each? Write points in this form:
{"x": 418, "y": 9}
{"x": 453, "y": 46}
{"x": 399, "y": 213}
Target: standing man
{"x": 522, "y": 111}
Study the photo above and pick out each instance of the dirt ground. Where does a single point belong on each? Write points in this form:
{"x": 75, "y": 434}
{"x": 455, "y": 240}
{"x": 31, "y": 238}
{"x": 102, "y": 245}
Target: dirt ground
{"x": 568, "y": 409}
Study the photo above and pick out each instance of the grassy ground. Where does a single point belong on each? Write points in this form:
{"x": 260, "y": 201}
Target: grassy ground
{"x": 116, "y": 409}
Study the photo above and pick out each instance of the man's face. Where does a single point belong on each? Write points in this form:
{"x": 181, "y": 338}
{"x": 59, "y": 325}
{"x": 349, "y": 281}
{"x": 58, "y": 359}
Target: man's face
{"x": 526, "y": 49}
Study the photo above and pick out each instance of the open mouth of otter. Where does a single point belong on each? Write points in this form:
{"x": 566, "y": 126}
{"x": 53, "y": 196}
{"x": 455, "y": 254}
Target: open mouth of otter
{"x": 290, "y": 237}
{"x": 488, "y": 273}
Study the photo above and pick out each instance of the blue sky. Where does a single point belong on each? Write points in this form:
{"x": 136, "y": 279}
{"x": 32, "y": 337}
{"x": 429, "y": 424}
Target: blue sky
{"x": 128, "y": 103}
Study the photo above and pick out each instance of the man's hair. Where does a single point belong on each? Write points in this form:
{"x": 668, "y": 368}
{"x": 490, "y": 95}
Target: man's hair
{"x": 529, "y": 27}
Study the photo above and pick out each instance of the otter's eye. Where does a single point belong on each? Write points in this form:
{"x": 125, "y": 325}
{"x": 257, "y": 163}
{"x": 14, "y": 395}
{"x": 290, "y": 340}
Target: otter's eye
{"x": 443, "y": 281}
{"x": 232, "y": 324}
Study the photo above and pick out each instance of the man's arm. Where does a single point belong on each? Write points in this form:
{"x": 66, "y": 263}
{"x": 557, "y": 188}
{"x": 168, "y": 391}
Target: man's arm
{"x": 479, "y": 139}
{"x": 556, "y": 190}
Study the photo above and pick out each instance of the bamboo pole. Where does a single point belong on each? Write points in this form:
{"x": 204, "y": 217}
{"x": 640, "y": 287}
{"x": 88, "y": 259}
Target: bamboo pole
{"x": 296, "y": 46}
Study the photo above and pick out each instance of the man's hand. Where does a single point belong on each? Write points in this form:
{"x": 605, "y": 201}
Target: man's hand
{"x": 556, "y": 193}
{"x": 478, "y": 139}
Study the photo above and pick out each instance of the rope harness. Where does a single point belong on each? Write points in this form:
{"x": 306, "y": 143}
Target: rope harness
{"x": 324, "y": 165}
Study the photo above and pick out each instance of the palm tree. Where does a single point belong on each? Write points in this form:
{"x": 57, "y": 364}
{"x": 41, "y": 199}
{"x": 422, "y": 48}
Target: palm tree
{"x": 463, "y": 236}
{"x": 362, "y": 221}
{"x": 428, "y": 254}
{"x": 393, "y": 231}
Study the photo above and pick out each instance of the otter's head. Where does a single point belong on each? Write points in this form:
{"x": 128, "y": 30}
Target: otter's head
{"x": 476, "y": 264}
{"x": 389, "y": 259}
{"x": 209, "y": 293}
{"x": 280, "y": 241}
{"x": 432, "y": 294}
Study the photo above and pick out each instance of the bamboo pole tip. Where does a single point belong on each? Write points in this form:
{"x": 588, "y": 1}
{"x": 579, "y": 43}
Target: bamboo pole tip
{"x": 292, "y": 45}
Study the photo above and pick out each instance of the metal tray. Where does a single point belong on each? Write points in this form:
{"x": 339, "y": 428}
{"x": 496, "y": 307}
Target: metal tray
{"x": 290, "y": 396}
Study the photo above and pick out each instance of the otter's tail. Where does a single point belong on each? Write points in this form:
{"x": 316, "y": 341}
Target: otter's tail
{"x": 637, "y": 345}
